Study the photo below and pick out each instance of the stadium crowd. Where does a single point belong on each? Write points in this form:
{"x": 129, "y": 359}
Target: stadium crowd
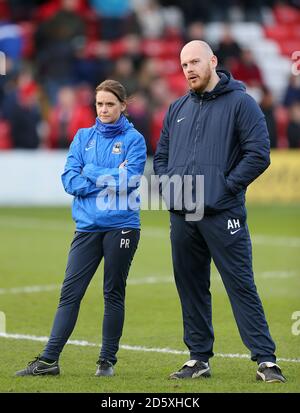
{"x": 58, "y": 51}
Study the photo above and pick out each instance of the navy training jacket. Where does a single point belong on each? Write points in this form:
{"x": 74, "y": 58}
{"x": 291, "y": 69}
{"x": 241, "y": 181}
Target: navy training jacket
{"x": 220, "y": 134}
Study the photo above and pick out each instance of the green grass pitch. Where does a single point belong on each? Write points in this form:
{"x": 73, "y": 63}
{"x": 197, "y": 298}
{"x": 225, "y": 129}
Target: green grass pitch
{"x": 34, "y": 246}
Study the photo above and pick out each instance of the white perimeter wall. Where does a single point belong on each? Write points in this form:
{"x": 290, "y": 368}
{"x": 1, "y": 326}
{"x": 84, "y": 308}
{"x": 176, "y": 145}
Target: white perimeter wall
{"x": 32, "y": 178}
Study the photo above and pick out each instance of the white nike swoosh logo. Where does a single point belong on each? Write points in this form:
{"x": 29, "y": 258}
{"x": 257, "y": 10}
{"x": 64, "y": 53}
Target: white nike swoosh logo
{"x": 179, "y": 120}
{"x": 233, "y": 232}
{"x": 37, "y": 371}
{"x": 126, "y": 232}
{"x": 91, "y": 147}
{"x": 199, "y": 373}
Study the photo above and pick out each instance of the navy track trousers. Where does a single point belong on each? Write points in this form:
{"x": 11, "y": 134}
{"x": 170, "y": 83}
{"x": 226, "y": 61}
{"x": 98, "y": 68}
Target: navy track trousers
{"x": 87, "y": 250}
{"x": 225, "y": 238}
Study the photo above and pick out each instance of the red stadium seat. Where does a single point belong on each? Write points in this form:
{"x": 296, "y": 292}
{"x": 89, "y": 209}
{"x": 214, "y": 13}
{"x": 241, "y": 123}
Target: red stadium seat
{"x": 283, "y": 32}
{"x": 279, "y": 32}
{"x": 286, "y": 14}
{"x": 161, "y": 48}
{"x": 288, "y": 47}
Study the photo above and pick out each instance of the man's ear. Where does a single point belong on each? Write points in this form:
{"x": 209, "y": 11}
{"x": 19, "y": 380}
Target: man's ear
{"x": 214, "y": 61}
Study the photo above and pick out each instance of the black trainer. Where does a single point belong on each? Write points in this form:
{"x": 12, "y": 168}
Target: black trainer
{"x": 105, "y": 368}
{"x": 38, "y": 367}
{"x": 270, "y": 373}
{"x": 192, "y": 369}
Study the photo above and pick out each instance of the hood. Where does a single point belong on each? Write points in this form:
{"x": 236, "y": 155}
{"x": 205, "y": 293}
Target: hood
{"x": 111, "y": 130}
{"x": 226, "y": 84}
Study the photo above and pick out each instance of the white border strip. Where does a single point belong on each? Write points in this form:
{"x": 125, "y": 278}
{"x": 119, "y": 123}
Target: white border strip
{"x": 84, "y": 343}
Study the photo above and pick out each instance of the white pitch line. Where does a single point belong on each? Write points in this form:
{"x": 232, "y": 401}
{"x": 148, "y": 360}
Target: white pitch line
{"x": 277, "y": 274}
{"x": 52, "y": 287}
{"x": 17, "y": 222}
{"x": 142, "y": 281}
{"x": 150, "y": 280}
{"x": 84, "y": 343}
{"x": 29, "y": 289}
{"x": 276, "y": 241}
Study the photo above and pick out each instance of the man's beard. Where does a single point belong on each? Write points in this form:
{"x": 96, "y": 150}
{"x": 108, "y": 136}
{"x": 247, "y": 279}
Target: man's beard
{"x": 202, "y": 82}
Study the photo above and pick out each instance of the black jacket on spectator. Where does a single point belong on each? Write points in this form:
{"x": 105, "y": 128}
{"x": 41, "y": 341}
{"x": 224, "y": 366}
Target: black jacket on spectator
{"x": 293, "y": 133}
{"x": 24, "y": 122}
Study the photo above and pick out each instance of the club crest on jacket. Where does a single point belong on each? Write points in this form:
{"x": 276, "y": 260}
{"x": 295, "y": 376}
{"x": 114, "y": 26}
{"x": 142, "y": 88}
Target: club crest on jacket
{"x": 117, "y": 148}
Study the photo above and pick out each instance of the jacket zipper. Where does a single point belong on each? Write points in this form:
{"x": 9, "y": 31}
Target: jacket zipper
{"x": 195, "y": 140}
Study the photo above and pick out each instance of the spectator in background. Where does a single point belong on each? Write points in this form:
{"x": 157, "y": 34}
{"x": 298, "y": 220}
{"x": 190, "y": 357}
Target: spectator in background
{"x": 148, "y": 72}
{"x": 220, "y": 10}
{"x": 247, "y": 70}
{"x": 25, "y": 118}
{"x": 160, "y": 99}
{"x": 196, "y": 10}
{"x": 116, "y": 18}
{"x": 228, "y": 50}
{"x": 195, "y": 30}
{"x": 124, "y": 33}
{"x": 139, "y": 115}
{"x": 57, "y": 42}
{"x": 48, "y": 9}
{"x": 5, "y": 11}
{"x": 156, "y": 21}
{"x": 22, "y": 10}
{"x": 125, "y": 74}
{"x": 133, "y": 50}
{"x": 68, "y": 115}
{"x": 21, "y": 109}
{"x": 174, "y": 22}
{"x": 267, "y": 107}
{"x": 92, "y": 63}
{"x": 151, "y": 19}
{"x": 85, "y": 96}
{"x": 292, "y": 93}
{"x": 11, "y": 43}
{"x": 293, "y": 129}
{"x": 252, "y": 10}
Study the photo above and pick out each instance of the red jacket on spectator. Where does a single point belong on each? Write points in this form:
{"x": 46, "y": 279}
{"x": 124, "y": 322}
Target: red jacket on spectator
{"x": 247, "y": 70}
{"x": 80, "y": 117}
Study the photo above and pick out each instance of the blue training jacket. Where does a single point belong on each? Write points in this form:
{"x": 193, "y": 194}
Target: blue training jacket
{"x": 220, "y": 134}
{"x": 93, "y": 176}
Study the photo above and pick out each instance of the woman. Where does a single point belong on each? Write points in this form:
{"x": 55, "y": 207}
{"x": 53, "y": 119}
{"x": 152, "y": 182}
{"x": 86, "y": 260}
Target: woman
{"x": 101, "y": 160}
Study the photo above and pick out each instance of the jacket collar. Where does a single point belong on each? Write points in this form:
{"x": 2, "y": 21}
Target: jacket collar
{"x": 111, "y": 130}
{"x": 226, "y": 84}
